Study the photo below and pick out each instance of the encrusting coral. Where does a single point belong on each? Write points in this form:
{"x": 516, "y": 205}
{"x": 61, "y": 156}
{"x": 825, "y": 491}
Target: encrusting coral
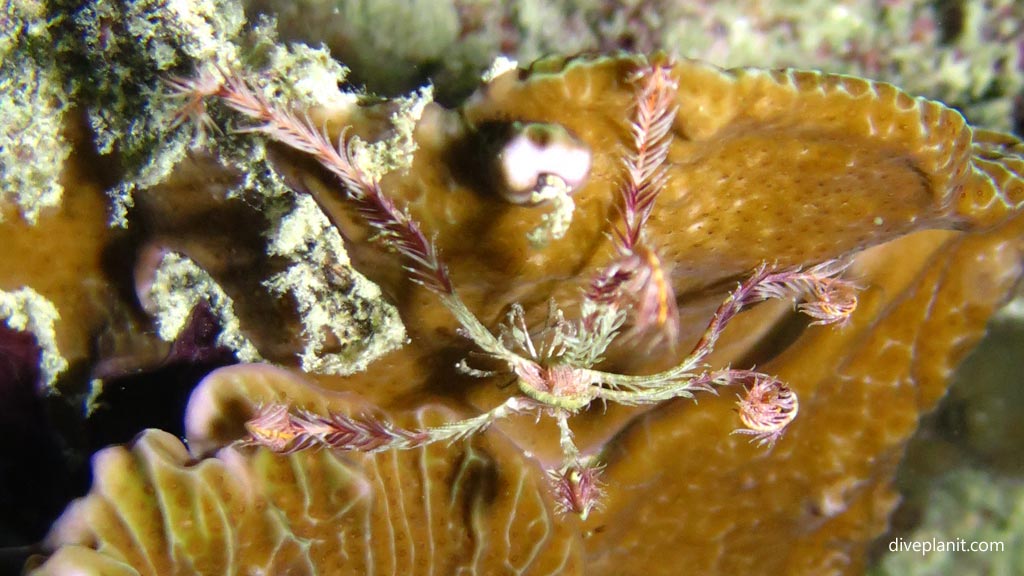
{"x": 758, "y": 173}
{"x": 435, "y": 510}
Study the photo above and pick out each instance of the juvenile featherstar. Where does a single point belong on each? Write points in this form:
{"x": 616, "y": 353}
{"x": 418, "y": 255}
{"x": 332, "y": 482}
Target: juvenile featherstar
{"x": 555, "y": 367}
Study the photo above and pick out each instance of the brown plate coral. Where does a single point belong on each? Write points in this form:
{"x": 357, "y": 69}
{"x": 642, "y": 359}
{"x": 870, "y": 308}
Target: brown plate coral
{"x": 640, "y": 187}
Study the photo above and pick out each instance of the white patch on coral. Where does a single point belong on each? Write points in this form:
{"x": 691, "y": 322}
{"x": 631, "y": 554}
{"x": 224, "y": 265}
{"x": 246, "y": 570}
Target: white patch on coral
{"x": 92, "y": 401}
{"x": 524, "y": 160}
{"x": 179, "y": 284}
{"x": 555, "y": 223}
{"x": 1013, "y": 311}
{"x": 500, "y": 65}
{"x": 25, "y": 310}
{"x": 354, "y": 314}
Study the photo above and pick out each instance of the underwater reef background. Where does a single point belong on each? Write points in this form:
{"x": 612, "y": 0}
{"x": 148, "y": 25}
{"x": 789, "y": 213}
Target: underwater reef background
{"x": 159, "y": 280}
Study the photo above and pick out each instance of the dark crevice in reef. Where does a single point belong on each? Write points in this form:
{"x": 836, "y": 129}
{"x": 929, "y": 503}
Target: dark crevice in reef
{"x": 156, "y": 398}
{"x": 51, "y": 438}
{"x": 35, "y": 479}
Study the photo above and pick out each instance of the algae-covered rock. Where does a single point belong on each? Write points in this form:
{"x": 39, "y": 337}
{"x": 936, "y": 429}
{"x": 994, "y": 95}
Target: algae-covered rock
{"x": 33, "y": 104}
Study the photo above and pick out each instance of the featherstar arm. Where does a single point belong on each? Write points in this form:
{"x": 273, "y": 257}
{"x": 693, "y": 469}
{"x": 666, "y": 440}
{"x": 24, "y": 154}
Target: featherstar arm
{"x": 637, "y": 274}
{"x": 576, "y": 485}
{"x": 283, "y": 429}
{"x": 820, "y": 281}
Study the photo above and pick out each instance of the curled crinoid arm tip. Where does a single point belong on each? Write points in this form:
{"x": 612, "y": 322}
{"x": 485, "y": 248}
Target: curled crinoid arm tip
{"x": 827, "y": 297}
{"x": 577, "y": 487}
{"x": 767, "y": 408}
{"x": 833, "y": 301}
